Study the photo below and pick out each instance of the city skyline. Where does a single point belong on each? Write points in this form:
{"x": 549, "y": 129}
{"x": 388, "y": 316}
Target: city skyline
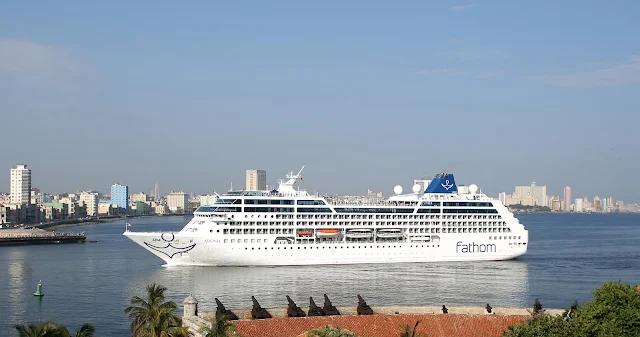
{"x": 155, "y": 188}
{"x": 367, "y": 95}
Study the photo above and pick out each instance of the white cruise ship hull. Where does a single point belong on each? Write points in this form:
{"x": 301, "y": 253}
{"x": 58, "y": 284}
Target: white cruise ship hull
{"x": 201, "y": 251}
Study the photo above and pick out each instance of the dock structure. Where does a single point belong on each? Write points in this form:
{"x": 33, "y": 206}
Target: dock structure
{"x": 11, "y": 237}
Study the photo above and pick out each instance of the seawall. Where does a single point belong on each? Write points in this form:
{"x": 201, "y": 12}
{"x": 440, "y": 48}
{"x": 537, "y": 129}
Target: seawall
{"x": 12, "y": 237}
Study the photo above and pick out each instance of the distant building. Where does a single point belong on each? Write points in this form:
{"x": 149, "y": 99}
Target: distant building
{"x": 90, "y": 200}
{"x": 532, "y": 195}
{"x": 567, "y": 199}
{"x": 177, "y": 202}
{"x": 139, "y": 197}
{"x": 604, "y": 205}
{"x": 208, "y": 199}
{"x": 556, "y": 203}
{"x": 256, "y": 180}
{"x": 502, "y": 197}
{"x": 20, "y": 185}
{"x": 597, "y": 204}
{"x": 120, "y": 196}
{"x": 577, "y": 206}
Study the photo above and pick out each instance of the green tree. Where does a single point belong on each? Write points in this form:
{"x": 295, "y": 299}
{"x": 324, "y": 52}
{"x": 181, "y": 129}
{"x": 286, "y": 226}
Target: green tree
{"x": 613, "y": 312}
{"x": 407, "y": 331}
{"x": 53, "y": 329}
{"x": 329, "y": 331}
{"x": 154, "y": 317}
{"x": 220, "y": 327}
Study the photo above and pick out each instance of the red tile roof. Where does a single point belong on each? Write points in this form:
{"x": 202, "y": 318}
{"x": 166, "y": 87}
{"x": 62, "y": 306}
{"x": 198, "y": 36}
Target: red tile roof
{"x": 439, "y": 325}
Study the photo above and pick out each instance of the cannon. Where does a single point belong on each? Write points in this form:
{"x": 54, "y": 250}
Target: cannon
{"x": 258, "y": 312}
{"x": 328, "y": 307}
{"x": 363, "y": 308}
{"x": 314, "y": 310}
{"x": 293, "y": 310}
{"x": 221, "y": 311}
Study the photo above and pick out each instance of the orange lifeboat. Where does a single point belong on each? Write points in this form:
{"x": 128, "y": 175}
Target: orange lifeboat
{"x": 327, "y": 233}
{"x": 305, "y": 232}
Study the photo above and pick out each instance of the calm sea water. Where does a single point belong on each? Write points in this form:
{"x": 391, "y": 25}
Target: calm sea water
{"x": 569, "y": 255}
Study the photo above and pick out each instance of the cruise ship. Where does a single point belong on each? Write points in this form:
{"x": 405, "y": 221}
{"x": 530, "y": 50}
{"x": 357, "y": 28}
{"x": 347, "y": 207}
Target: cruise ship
{"x": 437, "y": 221}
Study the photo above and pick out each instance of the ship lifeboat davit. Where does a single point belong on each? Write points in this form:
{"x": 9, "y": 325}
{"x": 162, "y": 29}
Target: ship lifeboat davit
{"x": 359, "y": 233}
{"x": 305, "y": 232}
{"x": 389, "y": 233}
{"x": 327, "y": 233}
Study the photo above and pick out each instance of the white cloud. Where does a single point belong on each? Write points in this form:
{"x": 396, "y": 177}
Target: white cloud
{"x": 463, "y": 7}
{"x": 33, "y": 62}
{"x": 443, "y": 71}
{"x": 616, "y": 75}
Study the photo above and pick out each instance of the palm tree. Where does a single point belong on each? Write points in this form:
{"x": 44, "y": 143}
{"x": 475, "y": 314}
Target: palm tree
{"x": 220, "y": 327}
{"x": 408, "y": 332}
{"x": 53, "y": 329}
{"x": 153, "y": 317}
{"x": 329, "y": 331}
{"x": 46, "y": 329}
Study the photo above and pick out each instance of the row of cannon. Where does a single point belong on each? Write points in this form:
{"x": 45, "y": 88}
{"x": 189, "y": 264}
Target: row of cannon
{"x": 328, "y": 309}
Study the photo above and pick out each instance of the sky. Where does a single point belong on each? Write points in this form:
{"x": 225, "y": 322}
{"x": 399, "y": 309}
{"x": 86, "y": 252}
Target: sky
{"x": 366, "y": 94}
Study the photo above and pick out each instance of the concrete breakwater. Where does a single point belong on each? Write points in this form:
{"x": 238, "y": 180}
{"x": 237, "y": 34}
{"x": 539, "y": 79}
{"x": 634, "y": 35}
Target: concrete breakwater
{"x": 381, "y": 321}
{"x": 9, "y": 237}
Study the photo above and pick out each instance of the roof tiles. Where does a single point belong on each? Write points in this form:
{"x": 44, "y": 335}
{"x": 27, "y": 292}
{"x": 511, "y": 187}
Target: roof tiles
{"x": 438, "y": 325}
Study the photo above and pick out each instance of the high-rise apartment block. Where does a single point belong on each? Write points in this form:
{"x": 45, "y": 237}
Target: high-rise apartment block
{"x": 90, "y": 200}
{"x": 256, "y": 180}
{"x": 20, "y": 185}
{"x": 567, "y": 199}
{"x": 178, "y": 202}
{"x": 533, "y": 195}
{"x": 120, "y": 195}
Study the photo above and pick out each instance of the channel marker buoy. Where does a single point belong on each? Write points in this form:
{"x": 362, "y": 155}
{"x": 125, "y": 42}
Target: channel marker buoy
{"x": 39, "y": 289}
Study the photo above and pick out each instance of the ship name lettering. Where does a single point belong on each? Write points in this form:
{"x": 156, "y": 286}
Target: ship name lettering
{"x": 475, "y": 248}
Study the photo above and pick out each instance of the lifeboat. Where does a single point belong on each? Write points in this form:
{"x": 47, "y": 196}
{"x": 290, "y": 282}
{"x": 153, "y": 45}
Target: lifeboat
{"x": 305, "y": 232}
{"x": 389, "y": 233}
{"x": 327, "y": 233}
{"x": 359, "y": 233}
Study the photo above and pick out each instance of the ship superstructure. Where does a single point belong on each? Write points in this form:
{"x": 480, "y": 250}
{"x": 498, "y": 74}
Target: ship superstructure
{"x": 288, "y": 226}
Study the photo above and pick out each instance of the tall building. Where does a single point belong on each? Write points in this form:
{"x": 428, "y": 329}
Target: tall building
{"x": 604, "y": 205}
{"x": 90, "y": 200}
{"x": 567, "y": 198}
{"x": 177, "y": 202}
{"x": 597, "y": 204}
{"x": 536, "y": 194}
{"x": 120, "y": 195}
{"x": 578, "y": 206}
{"x": 20, "y": 185}
{"x": 156, "y": 192}
{"x": 256, "y": 180}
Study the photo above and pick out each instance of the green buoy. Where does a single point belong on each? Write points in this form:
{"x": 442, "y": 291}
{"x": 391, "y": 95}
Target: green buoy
{"x": 39, "y": 289}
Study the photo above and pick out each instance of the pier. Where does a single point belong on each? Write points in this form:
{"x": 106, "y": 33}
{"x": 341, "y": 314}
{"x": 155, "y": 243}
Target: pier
{"x": 11, "y": 237}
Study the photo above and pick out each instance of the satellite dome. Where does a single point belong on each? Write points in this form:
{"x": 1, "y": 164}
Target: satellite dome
{"x": 417, "y": 188}
{"x": 397, "y": 189}
{"x": 473, "y": 189}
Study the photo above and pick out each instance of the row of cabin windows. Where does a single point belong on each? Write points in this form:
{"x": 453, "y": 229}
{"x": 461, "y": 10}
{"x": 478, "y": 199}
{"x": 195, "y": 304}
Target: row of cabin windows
{"x": 505, "y": 238}
{"x": 467, "y": 204}
{"x": 252, "y": 231}
{"x": 269, "y": 202}
{"x": 366, "y": 223}
{"x": 337, "y": 247}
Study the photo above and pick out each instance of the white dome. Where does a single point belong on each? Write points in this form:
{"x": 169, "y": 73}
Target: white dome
{"x": 397, "y": 189}
{"x": 473, "y": 189}
{"x": 417, "y": 188}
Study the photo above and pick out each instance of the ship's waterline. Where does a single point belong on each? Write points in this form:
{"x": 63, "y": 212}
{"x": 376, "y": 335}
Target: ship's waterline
{"x": 291, "y": 227}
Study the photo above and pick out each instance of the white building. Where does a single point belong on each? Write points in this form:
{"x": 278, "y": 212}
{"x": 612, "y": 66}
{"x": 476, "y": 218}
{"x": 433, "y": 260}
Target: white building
{"x": 538, "y": 194}
{"x": 256, "y": 180}
{"x": 208, "y": 199}
{"x": 90, "y": 200}
{"x": 139, "y": 197}
{"x": 177, "y": 202}
{"x": 578, "y": 206}
{"x": 20, "y": 185}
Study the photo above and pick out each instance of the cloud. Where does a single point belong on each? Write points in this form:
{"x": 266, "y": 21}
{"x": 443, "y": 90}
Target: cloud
{"x": 463, "y": 7}
{"x": 443, "y": 71}
{"x": 616, "y": 75}
{"x": 36, "y": 63}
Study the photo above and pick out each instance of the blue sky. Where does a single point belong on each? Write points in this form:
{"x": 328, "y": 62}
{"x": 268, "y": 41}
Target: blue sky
{"x": 367, "y": 94}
